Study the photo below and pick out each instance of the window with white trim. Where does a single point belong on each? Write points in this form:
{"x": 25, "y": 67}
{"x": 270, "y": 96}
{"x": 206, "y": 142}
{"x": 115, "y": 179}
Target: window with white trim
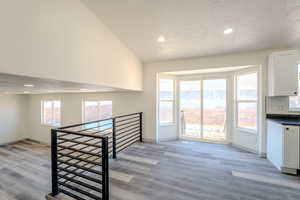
{"x": 294, "y": 101}
{"x": 96, "y": 110}
{"x": 246, "y": 101}
{"x": 51, "y": 113}
{"x": 166, "y": 101}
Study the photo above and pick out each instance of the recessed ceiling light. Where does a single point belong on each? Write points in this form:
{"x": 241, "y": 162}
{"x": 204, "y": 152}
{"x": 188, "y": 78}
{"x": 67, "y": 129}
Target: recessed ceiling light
{"x": 228, "y": 31}
{"x": 161, "y": 39}
{"x": 28, "y": 85}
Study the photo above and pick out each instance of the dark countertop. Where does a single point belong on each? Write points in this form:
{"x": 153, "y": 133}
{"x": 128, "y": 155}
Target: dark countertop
{"x": 285, "y": 119}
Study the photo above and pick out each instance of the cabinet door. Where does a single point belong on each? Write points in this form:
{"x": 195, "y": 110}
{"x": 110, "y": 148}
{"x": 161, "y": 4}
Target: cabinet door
{"x": 283, "y": 68}
{"x": 291, "y": 147}
{"x": 286, "y": 75}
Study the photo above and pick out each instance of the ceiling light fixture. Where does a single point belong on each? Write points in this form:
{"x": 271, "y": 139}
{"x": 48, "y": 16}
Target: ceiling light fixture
{"x": 26, "y": 92}
{"x": 161, "y": 39}
{"x": 228, "y": 31}
{"x": 28, "y": 85}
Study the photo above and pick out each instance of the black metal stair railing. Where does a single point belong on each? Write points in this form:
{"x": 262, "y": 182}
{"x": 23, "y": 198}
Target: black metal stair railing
{"x": 80, "y": 154}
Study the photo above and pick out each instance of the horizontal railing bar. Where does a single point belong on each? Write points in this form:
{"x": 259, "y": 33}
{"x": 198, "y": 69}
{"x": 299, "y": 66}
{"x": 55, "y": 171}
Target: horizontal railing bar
{"x": 127, "y": 119}
{"x": 78, "y": 150}
{"x": 70, "y": 194}
{"x": 80, "y": 167}
{"x": 81, "y": 159}
{"x": 80, "y": 183}
{"x": 76, "y": 133}
{"x": 78, "y": 142}
{"x": 127, "y": 140}
{"x": 127, "y": 127}
{"x": 97, "y": 132}
{"x": 116, "y": 117}
{"x": 118, "y": 125}
{"x": 126, "y": 137}
{"x": 80, "y": 175}
{"x": 76, "y": 189}
{"x": 119, "y": 135}
{"x": 59, "y": 143}
{"x": 121, "y": 149}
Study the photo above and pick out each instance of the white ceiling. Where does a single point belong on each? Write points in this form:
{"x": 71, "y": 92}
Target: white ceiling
{"x": 195, "y": 27}
{"x": 12, "y": 84}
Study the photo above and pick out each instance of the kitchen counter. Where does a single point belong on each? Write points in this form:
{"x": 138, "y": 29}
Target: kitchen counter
{"x": 285, "y": 119}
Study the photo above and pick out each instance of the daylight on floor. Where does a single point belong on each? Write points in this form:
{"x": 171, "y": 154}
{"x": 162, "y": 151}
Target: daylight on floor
{"x": 150, "y": 100}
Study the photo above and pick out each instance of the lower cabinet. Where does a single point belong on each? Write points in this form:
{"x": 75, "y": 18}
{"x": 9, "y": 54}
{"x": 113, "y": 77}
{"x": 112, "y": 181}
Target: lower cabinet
{"x": 291, "y": 147}
{"x": 283, "y": 146}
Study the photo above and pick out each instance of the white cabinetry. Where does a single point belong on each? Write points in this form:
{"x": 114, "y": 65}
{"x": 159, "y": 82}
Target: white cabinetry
{"x": 283, "y": 146}
{"x": 291, "y": 147}
{"x": 283, "y": 73}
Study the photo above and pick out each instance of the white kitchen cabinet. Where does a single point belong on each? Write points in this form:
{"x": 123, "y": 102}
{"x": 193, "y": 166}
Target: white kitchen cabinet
{"x": 291, "y": 147}
{"x": 283, "y": 73}
{"x": 283, "y": 146}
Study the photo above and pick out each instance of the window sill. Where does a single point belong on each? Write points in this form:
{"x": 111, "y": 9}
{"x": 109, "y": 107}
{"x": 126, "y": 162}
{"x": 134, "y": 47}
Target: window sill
{"x": 246, "y": 130}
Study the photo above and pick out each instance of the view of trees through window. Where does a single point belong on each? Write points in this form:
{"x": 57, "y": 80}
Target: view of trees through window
{"x": 203, "y": 108}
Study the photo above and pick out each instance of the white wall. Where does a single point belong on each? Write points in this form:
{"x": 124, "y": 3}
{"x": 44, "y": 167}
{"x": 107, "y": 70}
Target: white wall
{"x": 71, "y": 110}
{"x": 13, "y": 118}
{"x": 64, "y": 40}
{"x": 250, "y": 141}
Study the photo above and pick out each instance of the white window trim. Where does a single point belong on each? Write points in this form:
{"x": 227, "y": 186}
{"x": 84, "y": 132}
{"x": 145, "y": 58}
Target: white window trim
{"x": 295, "y": 110}
{"x": 173, "y": 100}
{"x": 236, "y": 101}
{"x": 42, "y": 114}
{"x": 98, "y": 108}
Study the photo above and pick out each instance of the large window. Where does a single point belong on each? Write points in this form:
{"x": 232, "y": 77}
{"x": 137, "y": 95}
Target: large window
{"x": 50, "y": 112}
{"x": 294, "y": 102}
{"x": 166, "y": 101}
{"x": 96, "y": 110}
{"x": 246, "y": 101}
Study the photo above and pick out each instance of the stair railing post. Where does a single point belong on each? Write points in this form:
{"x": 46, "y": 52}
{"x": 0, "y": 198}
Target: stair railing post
{"x": 54, "y": 162}
{"x": 105, "y": 169}
{"x": 141, "y": 127}
{"x": 114, "y": 139}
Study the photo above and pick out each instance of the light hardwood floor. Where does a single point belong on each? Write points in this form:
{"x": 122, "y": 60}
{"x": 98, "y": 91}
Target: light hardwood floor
{"x": 177, "y": 170}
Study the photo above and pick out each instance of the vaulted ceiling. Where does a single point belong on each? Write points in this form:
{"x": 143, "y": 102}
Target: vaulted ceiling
{"x": 196, "y": 27}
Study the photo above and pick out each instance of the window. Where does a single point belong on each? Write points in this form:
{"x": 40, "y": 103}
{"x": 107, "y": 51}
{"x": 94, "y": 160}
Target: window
{"x": 246, "y": 101}
{"x": 166, "y": 103}
{"x": 97, "y": 110}
{"x": 294, "y": 102}
{"x": 50, "y": 112}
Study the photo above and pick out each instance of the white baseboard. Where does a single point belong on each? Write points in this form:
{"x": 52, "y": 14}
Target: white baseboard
{"x": 244, "y": 148}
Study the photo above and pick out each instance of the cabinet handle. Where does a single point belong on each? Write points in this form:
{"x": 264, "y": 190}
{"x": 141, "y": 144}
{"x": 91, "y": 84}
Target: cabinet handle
{"x": 287, "y": 129}
{"x": 295, "y": 92}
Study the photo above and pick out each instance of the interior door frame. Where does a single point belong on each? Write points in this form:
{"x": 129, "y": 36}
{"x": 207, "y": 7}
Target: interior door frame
{"x": 201, "y": 78}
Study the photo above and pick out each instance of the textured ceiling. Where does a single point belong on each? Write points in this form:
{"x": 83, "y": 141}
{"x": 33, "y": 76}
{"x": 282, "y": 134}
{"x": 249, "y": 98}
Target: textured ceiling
{"x": 195, "y": 27}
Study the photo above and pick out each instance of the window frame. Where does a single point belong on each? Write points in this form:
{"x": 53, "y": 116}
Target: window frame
{"x": 52, "y": 124}
{"x": 98, "y": 109}
{"x": 289, "y": 99}
{"x": 173, "y": 101}
{"x": 237, "y": 101}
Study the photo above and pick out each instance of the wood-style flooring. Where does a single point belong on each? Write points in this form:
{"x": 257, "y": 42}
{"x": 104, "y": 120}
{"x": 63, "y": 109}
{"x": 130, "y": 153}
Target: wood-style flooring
{"x": 178, "y": 170}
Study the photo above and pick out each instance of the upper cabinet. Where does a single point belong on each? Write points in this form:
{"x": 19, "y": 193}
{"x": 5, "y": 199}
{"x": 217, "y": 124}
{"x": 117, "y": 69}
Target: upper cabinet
{"x": 283, "y": 73}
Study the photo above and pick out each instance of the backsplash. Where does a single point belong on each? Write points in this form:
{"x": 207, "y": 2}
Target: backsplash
{"x": 278, "y": 105}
